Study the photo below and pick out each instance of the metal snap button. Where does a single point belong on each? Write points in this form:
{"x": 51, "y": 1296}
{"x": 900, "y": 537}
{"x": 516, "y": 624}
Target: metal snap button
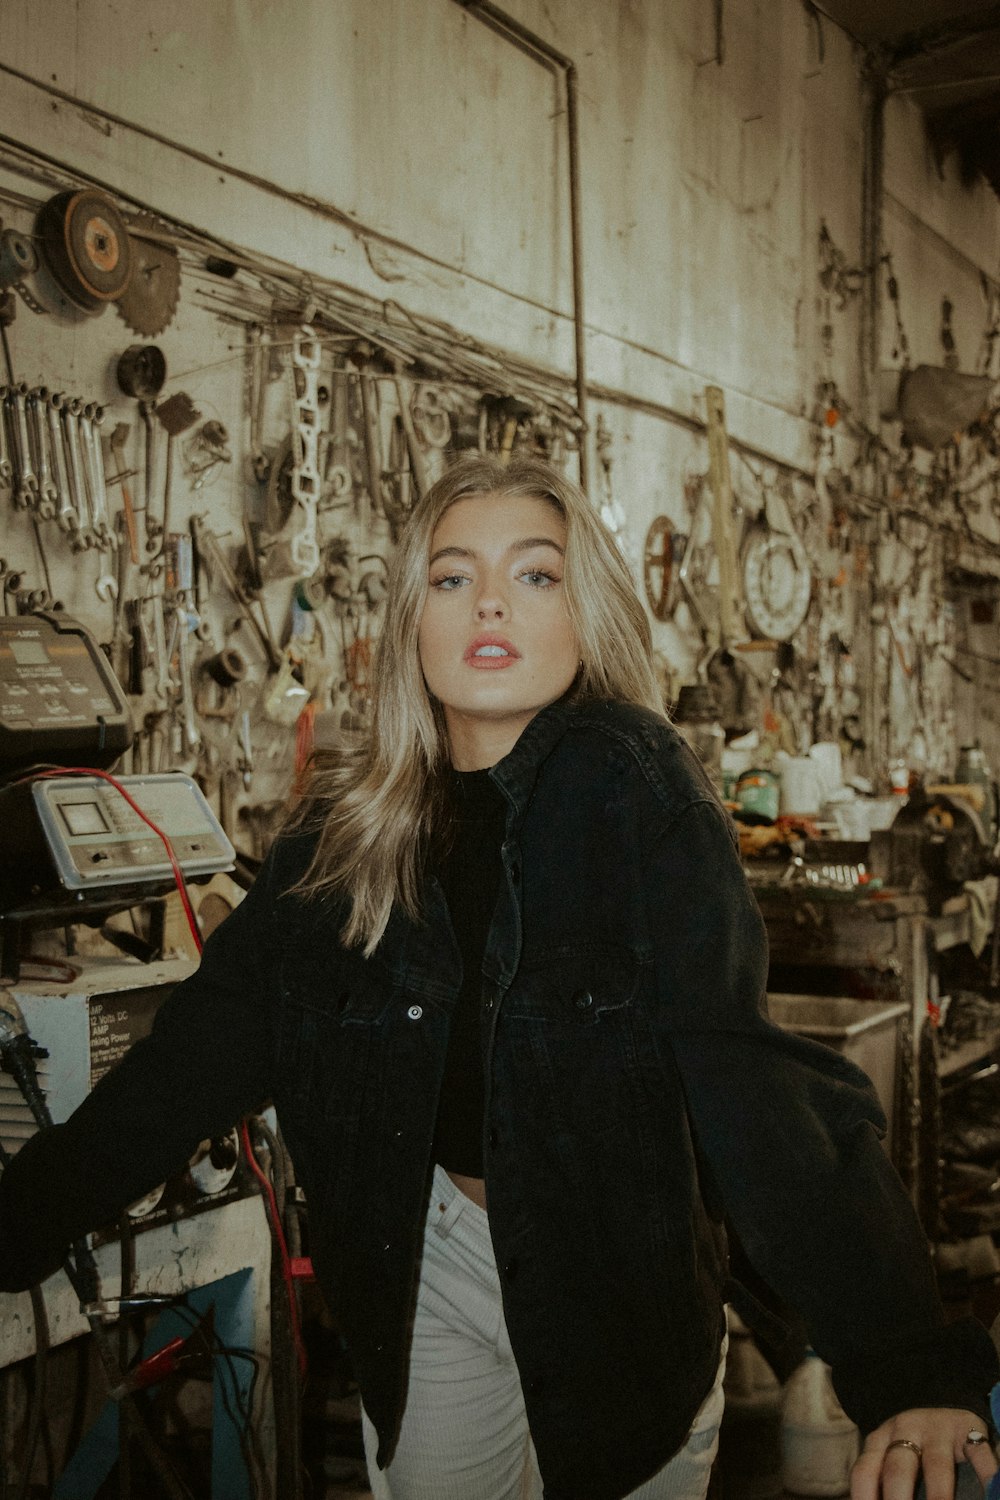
{"x": 415, "y": 1012}
{"x": 583, "y": 999}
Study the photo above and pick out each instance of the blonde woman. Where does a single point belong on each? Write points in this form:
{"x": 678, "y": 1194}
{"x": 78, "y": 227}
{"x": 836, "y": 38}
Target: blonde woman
{"x": 504, "y": 981}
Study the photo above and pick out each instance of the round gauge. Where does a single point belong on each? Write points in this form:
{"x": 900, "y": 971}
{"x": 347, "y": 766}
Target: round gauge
{"x": 662, "y": 555}
{"x": 777, "y": 583}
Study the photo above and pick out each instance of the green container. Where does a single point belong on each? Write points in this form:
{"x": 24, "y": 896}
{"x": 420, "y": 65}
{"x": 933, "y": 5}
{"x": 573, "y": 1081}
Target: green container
{"x": 757, "y": 794}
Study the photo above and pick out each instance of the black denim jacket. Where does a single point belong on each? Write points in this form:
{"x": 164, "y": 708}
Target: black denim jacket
{"x": 636, "y": 1092}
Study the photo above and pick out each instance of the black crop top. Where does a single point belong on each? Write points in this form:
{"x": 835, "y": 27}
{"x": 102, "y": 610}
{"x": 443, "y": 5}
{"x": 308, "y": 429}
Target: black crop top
{"x": 470, "y": 875}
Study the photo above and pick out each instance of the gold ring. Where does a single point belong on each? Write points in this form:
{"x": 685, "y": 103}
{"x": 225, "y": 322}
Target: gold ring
{"x": 906, "y": 1443}
{"x": 975, "y": 1438}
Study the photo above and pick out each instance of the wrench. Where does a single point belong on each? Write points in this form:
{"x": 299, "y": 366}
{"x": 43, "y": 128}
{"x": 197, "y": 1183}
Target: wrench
{"x": 48, "y": 495}
{"x": 70, "y": 412}
{"x": 6, "y": 471}
{"x": 90, "y": 421}
{"x": 67, "y": 515}
{"x": 26, "y": 486}
{"x": 192, "y": 738}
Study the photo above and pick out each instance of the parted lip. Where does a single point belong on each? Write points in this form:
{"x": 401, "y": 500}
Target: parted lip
{"x": 489, "y": 640}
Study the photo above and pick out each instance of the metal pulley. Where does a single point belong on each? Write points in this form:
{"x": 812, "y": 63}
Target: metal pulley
{"x": 85, "y": 244}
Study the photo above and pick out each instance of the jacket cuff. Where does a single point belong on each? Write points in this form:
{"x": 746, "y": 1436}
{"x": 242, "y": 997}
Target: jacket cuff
{"x": 956, "y": 1365}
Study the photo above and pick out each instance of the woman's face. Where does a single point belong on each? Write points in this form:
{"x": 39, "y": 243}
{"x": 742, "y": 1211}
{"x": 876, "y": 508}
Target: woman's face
{"x": 495, "y": 640}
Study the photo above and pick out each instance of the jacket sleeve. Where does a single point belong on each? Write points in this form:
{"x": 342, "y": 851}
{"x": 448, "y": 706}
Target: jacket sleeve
{"x": 791, "y": 1132}
{"x": 205, "y": 1063}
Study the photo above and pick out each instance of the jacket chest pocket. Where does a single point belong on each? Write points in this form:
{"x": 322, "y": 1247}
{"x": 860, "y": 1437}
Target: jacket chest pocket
{"x": 328, "y": 1025}
{"x": 575, "y": 987}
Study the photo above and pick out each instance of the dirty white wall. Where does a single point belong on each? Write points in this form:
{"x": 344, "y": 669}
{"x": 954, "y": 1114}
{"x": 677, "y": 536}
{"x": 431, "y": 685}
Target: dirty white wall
{"x": 403, "y": 149}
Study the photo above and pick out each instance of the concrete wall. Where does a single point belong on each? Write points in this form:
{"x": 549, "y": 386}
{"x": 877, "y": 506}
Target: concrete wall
{"x": 402, "y": 149}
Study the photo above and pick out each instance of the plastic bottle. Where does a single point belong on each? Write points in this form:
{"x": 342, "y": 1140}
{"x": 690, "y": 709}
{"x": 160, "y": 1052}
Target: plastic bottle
{"x": 750, "y": 1438}
{"x": 819, "y": 1442}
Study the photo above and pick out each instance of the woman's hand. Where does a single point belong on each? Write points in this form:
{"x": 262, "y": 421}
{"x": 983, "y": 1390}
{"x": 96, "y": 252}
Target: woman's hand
{"x": 927, "y": 1440}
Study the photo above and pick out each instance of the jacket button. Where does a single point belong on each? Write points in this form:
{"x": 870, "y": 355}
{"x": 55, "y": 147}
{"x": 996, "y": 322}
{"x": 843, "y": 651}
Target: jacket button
{"x": 415, "y": 1012}
{"x": 583, "y": 999}
{"x": 489, "y": 1002}
{"x": 510, "y": 1271}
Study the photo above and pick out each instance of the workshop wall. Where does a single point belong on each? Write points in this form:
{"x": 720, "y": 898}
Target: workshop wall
{"x": 406, "y": 163}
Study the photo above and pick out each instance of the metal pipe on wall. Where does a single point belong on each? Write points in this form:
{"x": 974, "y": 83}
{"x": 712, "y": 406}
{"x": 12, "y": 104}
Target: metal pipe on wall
{"x": 536, "y": 47}
{"x": 875, "y": 694}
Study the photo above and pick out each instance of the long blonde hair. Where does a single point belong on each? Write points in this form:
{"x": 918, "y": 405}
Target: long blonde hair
{"x": 378, "y": 805}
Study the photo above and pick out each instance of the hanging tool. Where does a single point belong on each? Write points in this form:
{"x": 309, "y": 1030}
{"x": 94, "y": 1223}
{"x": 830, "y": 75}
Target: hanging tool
{"x": 149, "y": 302}
{"x": 209, "y": 548}
{"x": 361, "y": 358}
{"x": 418, "y": 466}
{"x": 6, "y": 468}
{"x": 25, "y": 482}
{"x": 175, "y": 415}
{"x": 49, "y": 497}
{"x": 67, "y": 516}
{"x": 121, "y": 476}
{"x": 141, "y": 372}
{"x": 90, "y": 420}
{"x": 69, "y": 412}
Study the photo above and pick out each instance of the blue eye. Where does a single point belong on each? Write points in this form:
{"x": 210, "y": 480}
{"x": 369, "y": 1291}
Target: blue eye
{"x": 538, "y": 578}
{"x": 449, "y": 581}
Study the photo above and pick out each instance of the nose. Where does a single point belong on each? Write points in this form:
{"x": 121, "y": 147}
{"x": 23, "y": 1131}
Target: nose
{"x": 491, "y": 604}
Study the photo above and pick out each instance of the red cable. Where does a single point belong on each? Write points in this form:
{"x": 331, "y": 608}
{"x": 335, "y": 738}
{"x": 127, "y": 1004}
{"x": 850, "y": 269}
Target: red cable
{"x": 286, "y": 1264}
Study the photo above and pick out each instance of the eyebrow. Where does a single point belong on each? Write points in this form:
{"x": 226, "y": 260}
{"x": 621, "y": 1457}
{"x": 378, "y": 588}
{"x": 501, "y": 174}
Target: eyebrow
{"x": 525, "y": 545}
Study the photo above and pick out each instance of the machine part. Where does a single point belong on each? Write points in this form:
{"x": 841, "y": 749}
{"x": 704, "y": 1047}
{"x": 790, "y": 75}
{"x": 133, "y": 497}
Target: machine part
{"x": 85, "y": 245}
{"x": 78, "y": 833}
{"x": 662, "y": 551}
{"x": 213, "y": 1165}
{"x": 777, "y": 583}
{"x": 141, "y": 371}
{"x": 150, "y": 301}
{"x": 303, "y": 545}
{"x": 24, "y": 480}
{"x": 431, "y": 418}
{"x": 48, "y": 492}
{"x": 18, "y": 258}
{"x": 228, "y": 667}
{"x": 67, "y": 515}
{"x": 59, "y": 701}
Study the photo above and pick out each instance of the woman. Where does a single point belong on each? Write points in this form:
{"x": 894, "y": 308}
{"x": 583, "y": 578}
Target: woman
{"x": 503, "y": 978}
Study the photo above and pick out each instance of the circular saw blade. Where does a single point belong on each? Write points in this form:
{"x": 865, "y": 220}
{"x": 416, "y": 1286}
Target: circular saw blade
{"x": 149, "y": 302}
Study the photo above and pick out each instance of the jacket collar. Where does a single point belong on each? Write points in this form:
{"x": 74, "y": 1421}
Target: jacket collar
{"x": 516, "y": 774}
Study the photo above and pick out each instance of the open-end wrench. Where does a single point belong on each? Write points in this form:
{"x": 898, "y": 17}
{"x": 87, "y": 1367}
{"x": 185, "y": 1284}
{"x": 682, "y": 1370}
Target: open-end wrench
{"x": 25, "y": 482}
{"x": 90, "y": 420}
{"x": 48, "y": 495}
{"x": 208, "y": 547}
{"x": 6, "y": 471}
{"x": 192, "y": 738}
{"x": 70, "y": 412}
{"x": 67, "y": 515}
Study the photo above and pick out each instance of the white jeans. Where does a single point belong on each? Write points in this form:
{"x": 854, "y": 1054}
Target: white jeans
{"x": 465, "y": 1434}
